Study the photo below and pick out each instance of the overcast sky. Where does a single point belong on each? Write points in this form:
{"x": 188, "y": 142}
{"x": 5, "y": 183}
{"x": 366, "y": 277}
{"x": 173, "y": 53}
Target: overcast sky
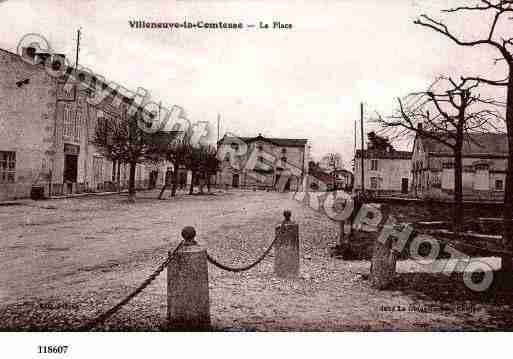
{"x": 301, "y": 83}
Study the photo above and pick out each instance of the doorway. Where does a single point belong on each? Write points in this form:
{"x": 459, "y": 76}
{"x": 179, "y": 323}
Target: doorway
{"x": 235, "y": 180}
{"x": 70, "y": 168}
{"x": 404, "y": 185}
{"x": 70, "y": 172}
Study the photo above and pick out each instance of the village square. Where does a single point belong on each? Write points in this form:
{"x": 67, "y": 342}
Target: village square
{"x": 124, "y": 211}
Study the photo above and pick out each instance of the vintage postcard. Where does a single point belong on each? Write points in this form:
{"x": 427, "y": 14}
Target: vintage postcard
{"x": 255, "y": 166}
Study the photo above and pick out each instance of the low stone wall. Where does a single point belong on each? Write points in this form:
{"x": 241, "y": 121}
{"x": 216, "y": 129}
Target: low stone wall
{"x": 468, "y": 195}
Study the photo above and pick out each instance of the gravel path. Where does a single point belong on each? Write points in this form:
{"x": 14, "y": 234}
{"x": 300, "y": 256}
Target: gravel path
{"x": 64, "y": 261}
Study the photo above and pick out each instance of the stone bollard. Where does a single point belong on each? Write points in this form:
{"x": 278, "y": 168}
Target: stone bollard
{"x": 188, "y": 302}
{"x": 286, "y": 248}
{"x": 383, "y": 263}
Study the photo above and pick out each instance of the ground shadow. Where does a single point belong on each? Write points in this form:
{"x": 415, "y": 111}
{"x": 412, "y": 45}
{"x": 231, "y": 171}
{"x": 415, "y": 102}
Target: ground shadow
{"x": 450, "y": 291}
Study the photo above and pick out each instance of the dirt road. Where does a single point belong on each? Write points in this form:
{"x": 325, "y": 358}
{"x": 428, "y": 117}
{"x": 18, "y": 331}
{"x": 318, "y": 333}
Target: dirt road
{"x": 64, "y": 261}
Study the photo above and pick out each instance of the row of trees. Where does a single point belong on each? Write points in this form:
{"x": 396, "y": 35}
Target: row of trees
{"x": 124, "y": 141}
{"x": 451, "y": 110}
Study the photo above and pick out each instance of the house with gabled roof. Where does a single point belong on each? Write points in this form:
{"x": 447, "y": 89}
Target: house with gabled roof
{"x": 484, "y": 167}
{"x": 264, "y": 162}
{"x": 387, "y": 171}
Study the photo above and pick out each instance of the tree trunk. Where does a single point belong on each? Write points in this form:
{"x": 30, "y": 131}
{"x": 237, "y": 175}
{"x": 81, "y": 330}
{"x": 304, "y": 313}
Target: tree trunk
{"x": 507, "y": 233}
{"x": 163, "y": 190}
{"x": 114, "y": 170}
{"x": 458, "y": 168}
{"x": 131, "y": 182}
{"x": 191, "y": 189}
{"x": 458, "y": 190}
{"x": 176, "y": 178}
{"x": 201, "y": 181}
{"x": 208, "y": 182}
{"x": 119, "y": 176}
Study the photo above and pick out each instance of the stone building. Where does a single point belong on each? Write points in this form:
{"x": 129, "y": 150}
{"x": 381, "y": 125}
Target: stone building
{"x": 484, "y": 168}
{"x": 272, "y": 163}
{"x": 46, "y": 130}
{"x": 386, "y": 170}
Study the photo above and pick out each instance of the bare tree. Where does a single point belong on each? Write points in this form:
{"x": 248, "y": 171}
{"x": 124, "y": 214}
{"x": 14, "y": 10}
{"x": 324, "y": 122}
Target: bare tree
{"x": 170, "y": 146}
{"x": 211, "y": 164}
{"x": 195, "y": 162}
{"x": 495, "y": 13}
{"x": 106, "y": 138}
{"x": 124, "y": 140}
{"x": 174, "y": 147}
{"x": 448, "y": 117}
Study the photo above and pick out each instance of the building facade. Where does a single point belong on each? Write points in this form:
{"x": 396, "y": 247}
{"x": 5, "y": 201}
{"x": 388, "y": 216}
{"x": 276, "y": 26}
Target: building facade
{"x": 273, "y": 163}
{"x": 484, "y": 168}
{"x": 386, "y": 171}
{"x": 46, "y": 129}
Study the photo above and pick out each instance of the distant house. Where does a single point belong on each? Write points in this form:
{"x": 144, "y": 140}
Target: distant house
{"x": 318, "y": 180}
{"x": 386, "y": 170}
{"x": 484, "y": 168}
{"x": 277, "y": 163}
{"x": 343, "y": 179}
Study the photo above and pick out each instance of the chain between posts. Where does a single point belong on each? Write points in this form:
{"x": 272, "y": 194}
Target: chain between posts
{"x": 213, "y": 261}
{"x": 103, "y": 317}
{"x": 245, "y": 268}
{"x": 188, "y": 233}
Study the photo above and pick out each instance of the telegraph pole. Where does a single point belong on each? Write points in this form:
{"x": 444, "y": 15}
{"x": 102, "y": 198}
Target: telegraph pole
{"x": 355, "y": 142}
{"x": 218, "y": 122}
{"x": 78, "y": 49}
{"x": 362, "y": 162}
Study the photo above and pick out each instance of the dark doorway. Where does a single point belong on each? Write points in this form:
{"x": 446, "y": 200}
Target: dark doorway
{"x": 287, "y": 185}
{"x": 235, "y": 181}
{"x": 153, "y": 179}
{"x": 70, "y": 168}
{"x": 183, "y": 179}
{"x": 404, "y": 185}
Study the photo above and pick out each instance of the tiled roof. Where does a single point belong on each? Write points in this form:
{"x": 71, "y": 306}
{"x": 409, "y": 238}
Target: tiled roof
{"x": 282, "y": 142}
{"x": 321, "y": 176}
{"x": 475, "y": 144}
{"x": 393, "y": 154}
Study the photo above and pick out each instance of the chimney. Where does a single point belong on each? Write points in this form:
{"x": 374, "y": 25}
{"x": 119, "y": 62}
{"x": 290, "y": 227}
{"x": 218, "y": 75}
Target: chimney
{"x": 28, "y": 52}
{"x": 41, "y": 57}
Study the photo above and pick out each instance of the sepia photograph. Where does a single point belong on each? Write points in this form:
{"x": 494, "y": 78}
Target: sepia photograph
{"x": 231, "y": 166}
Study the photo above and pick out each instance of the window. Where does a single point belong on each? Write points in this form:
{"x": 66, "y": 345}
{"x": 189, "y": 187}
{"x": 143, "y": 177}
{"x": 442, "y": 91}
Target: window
{"x": 374, "y": 182}
{"x": 499, "y": 185}
{"x": 481, "y": 167}
{"x": 77, "y": 124}
{"x": 374, "y": 165}
{"x": 283, "y": 150}
{"x": 234, "y": 146}
{"x": 7, "y": 166}
{"x": 68, "y": 121}
{"x": 260, "y": 148}
{"x": 482, "y": 178}
{"x": 73, "y": 119}
{"x": 98, "y": 169}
